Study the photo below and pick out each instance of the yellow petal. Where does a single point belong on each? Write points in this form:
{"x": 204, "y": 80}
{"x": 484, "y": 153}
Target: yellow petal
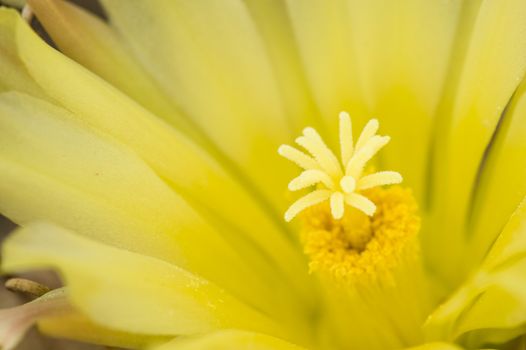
{"x": 322, "y": 30}
{"x": 502, "y": 183}
{"x": 229, "y": 339}
{"x": 53, "y": 170}
{"x": 379, "y": 59}
{"x": 402, "y": 52}
{"x": 200, "y": 179}
{"x": 492, "y": 68}
{"x": 95, "y": 45}
{"x": 211, "y": 60}
{"x": 494, "y": 299}
{"x": 12, "y": 74}
{"x": 127, "y": 291}
{"x": 76, "y": 326}
{"x": 272, "y": 20}
{"x": 436, "y": 346}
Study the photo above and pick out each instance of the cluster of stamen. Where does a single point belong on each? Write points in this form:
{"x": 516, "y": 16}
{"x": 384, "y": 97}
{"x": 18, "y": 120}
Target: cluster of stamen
{"x": 358, "y": 247}
{"x": 340, "y": 182}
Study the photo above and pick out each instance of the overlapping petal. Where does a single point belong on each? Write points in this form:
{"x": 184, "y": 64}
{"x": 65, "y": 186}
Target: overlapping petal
{"x": 492, "y": 68}
{"x": 229, "y": 339}
{"x": 217, "y": 70}
{"x": 54, "y": 170}
{"x": 491, "y": 304}
{"x": 127, "y": 291}
{"x": 179, "y": 162}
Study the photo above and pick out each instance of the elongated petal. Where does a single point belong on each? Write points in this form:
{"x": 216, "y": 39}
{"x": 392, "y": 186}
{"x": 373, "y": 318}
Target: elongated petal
{"x": 55, "y": 316}
{"x": 12, "y": 72}
{"x": 127, "y": 291}
{"x": 322, "y": 31}
{"x": 493, "y": 67}
{"x": 494, "y": 299}
{"x": 436, "y": 346}
{"x": 186, "y": 167}
{"x": 273, "y": 21}
{"x": 216, "y": 68}
{"x": 53, "y": 170}
{"x": 380, "y": 58}
{"x": 76, "y": 326}
{"x": 502, "y": 182}
{"x": 98, "y": 47}
{"x": 229, "y": 339}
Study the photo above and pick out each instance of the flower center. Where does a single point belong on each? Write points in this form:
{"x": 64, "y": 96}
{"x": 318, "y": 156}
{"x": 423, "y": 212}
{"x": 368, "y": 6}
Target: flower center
{"x": 358, "y": 247}
{"x": 351, "y": 226}
{"x": 361, "y": 240}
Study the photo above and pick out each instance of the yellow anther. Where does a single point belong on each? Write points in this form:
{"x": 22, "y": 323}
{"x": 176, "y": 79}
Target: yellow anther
{"x": 339, "y": 181}
{"x": 357, "y": 247}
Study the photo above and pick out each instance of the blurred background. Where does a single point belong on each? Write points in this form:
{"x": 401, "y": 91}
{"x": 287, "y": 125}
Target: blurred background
{"x": 34, "y": 340}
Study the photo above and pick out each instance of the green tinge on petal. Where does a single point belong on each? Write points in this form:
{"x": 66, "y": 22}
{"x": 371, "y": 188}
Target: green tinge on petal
{"x": 129, "y": 292}
{"x": 493, "y": 67}
{"x": 227, "y": 340}
{"x": 54, "y": 170}
{"x": 495, "y": 298}
{"x": 178, "y": 161}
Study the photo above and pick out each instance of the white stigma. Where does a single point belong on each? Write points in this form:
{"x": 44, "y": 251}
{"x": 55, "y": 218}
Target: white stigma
{"x": 338, "y": 181}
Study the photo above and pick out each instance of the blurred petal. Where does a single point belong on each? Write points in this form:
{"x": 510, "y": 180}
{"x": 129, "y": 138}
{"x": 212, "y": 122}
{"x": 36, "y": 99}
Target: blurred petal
{"x": 211, "y": 60}
{"x": 189, "y": 169}
{"x": 126, "y": 291}
{"x": 272, "y": 20}
{"x": 380, "y": 59}
{"x": 12, "y": 73}
{"x": 229, "y": 339}
{"x": 54, "y": 170}
{"x": 322, "y": 32}
{"x": 495, "y": 298}
{"x": 493, "y": 67}
{"x": 76, "y": 326}
{"x": 502, "y": 183}
{"x": 16, "y": 321}
{"x": 436, "y": 346}
{"x": 56, "y": 317}
{"x": 94, "y": 44}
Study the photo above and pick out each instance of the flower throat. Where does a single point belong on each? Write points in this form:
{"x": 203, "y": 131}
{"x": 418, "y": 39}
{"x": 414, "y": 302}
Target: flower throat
{"x": 361, "y": 238}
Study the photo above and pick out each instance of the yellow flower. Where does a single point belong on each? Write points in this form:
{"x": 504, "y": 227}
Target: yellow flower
{"x": 141, "y": 163}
